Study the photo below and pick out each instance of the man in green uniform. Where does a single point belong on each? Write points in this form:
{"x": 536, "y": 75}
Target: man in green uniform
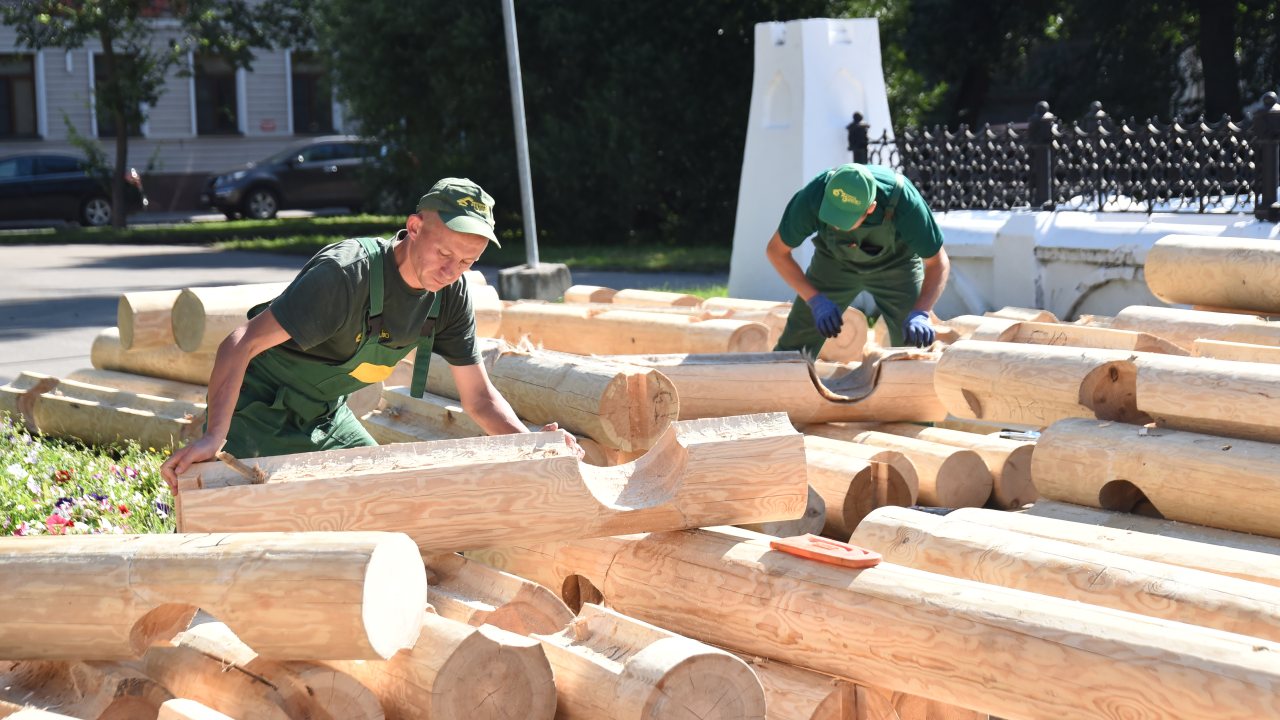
{"x": 873, "y": 232}
{"x": 280, "y": 381}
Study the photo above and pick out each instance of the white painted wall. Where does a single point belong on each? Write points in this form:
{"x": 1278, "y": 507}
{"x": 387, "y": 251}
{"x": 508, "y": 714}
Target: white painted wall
{"x": 810, "y": 77}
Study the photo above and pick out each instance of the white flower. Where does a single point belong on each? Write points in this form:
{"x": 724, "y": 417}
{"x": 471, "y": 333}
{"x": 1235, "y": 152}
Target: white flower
{"x": 17, "y": 472}
{"x": 34, "y": 488}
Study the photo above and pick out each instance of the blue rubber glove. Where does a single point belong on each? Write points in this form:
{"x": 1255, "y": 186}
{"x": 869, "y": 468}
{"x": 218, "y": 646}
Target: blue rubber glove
{"x": 917, "y": 330}
{"x": 825, "y": 315}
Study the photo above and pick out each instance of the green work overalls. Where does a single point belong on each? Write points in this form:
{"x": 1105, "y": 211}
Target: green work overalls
{"x": 846, "y": 262}
{"x": 289, "y": 404}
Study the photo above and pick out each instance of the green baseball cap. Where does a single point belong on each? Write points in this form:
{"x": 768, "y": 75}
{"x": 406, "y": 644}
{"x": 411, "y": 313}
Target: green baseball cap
{"x": 463, "y": 206}
{"x": 850, "y": 191}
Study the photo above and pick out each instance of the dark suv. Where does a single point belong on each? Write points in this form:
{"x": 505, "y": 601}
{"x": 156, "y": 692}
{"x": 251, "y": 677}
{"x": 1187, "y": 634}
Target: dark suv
{"x": 323, "y": 172}
{"x": 49, "y": 186}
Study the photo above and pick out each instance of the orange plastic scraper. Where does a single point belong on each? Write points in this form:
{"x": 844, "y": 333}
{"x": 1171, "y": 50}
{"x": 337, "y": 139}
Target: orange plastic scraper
{"x": 832, "y": 552}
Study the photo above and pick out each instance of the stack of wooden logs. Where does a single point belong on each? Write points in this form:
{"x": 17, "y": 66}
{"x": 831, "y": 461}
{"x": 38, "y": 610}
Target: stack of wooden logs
{"x": 641, "y": 581}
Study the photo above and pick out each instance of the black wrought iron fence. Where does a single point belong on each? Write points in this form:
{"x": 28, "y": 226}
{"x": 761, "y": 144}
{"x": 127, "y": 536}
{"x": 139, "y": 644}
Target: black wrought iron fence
{"x": 1096, "y": 163}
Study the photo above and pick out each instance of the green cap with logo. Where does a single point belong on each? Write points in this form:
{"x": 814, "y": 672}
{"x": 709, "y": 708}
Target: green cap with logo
{"x": 463, "y": 206}
{"x": 850, "y": 191}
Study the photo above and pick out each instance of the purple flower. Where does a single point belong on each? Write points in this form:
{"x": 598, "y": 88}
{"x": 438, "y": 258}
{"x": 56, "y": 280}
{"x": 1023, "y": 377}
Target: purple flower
{"x": 64, "y": 505}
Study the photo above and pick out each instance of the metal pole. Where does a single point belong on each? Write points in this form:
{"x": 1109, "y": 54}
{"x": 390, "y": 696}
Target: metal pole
{"x": 522, "y": 138}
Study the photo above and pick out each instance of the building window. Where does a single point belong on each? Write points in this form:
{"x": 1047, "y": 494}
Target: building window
{"x": 217, "y": 112}
{"x": 17, "y": 96}
{"x": 312, "y": 96}
{"x": 106, "y": 120}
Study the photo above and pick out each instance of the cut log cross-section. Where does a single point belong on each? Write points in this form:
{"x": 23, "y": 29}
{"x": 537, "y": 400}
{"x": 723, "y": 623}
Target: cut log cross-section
{"x": 203, "y": 317}
{"x": 1226, "y": 272}
{"x": 1220, "y": 482}
{"x": 1201, "y": 554}
{"x": 1008, "y": 460}
{"x": 620, "y": 406}
{"x": 1036, "y": 384}
{"x": 99, "y": 415}
{"x": 167, "y": 361}
{"x": 611, "y": 666}
{"x": 854, "y": 479}
{"x": 961, "y": 642}
{"x": 145, "y": 318}
{"x": 949, "y": 476}
{"x": 458, "y": 672}
{"x": 886, "y": 386}
{"x": 972, "y": 551}
{"x": 120, "y": 594}
{"x": 458, "y": 494}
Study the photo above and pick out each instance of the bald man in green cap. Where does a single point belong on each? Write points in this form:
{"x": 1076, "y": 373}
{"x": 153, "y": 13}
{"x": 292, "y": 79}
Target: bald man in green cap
{"x": 871, "y": 231}
{"x": 280, "y": 381}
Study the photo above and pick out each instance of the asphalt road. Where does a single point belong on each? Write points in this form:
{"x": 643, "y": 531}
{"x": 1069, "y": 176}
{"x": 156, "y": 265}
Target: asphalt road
{"x": 55, "y": 298}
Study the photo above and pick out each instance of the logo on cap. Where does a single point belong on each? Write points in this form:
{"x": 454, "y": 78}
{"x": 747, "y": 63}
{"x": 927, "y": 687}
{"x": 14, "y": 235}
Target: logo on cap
{"x": 845, "y": 197}
{"x": 474, "y": 204}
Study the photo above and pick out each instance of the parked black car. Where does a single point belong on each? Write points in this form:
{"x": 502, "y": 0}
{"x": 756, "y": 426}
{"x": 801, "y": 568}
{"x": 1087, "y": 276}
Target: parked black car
{"x": 49, "y": 186}
{"x": 322, "y": 172}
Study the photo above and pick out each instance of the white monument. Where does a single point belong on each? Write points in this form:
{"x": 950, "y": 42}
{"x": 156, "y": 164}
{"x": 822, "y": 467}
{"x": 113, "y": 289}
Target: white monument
{"x": 810, "y": 77}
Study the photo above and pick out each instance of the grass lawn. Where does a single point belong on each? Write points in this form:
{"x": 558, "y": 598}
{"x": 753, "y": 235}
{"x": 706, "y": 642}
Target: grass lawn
{"x": 53, "y": 487}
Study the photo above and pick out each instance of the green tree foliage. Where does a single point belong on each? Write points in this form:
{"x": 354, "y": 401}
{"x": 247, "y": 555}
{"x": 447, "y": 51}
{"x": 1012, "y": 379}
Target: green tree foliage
{"x": 636, "y": 111}
{"x": 137, "y": 54}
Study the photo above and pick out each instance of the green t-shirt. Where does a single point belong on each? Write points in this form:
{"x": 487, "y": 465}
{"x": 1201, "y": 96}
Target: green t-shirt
{"x": 913, "y": 222}
{"x": 325, "y": 307}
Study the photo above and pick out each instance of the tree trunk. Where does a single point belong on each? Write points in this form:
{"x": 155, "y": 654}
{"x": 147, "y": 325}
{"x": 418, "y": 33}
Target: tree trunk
{"x": 1202, "y": 479}
{"x": 479, "y": 492}
{"x": 121, "y": 594}
{"x": 956, "y": 641}
{"x": 972, "y": 551}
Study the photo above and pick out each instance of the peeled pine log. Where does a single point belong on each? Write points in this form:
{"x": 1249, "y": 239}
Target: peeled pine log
{"x": 812, "y": 522}
{"x": 477, "y": 492}
{"x": 610, "y": 666}
{"x": 84, "y": 690}
{"x": 458, "y": 672}
{"x": 960, "y": 642}
{"x": 1184, "y": 327}
{"x": 855, "y": 479}
{"x": 487, "y": 308}
{"x": 1227, "y": 272}
{"x": 578, "y": 294}
{"x": 183, "y": 709}
{"x": 167, "y": 362}
{"x": 972, "y": 551}
{"x": 1220, "y": 482}
{"x": 1122, "y": 521}
{"x": 1009, "y": 461}
{"x": 210, "y": 664}
{"x": 1244, "y": 352}
{"x": 1066, "y": 335}
{"x": 473, "y": 593}
{"x": 1036, "y": 384}
{"x": 1022, "y": 314}
{"x": 1220, "y": 397}
{"x": 145, "y": 318}
{"x": 949, "y": 476}
{"x": 1243, "y": 564}
{"x": 141, "y": 384}
{"x": 793, "y": 693}
{"x": 621, "y": 406}
{"x": 962, "y": 327}
{"x": 891, "y": 385}
{"x": 204, "y": 316}
{"x": 120, "y": 594}
{"x": 587, "y": 331}
{"x": 99, "y": 415}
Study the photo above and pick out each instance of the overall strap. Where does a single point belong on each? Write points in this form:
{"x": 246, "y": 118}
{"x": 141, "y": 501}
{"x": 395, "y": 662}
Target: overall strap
{"x": 894, "y": 197}
{"x": 374, "y": 251}
{"x": 426, "y": 340}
